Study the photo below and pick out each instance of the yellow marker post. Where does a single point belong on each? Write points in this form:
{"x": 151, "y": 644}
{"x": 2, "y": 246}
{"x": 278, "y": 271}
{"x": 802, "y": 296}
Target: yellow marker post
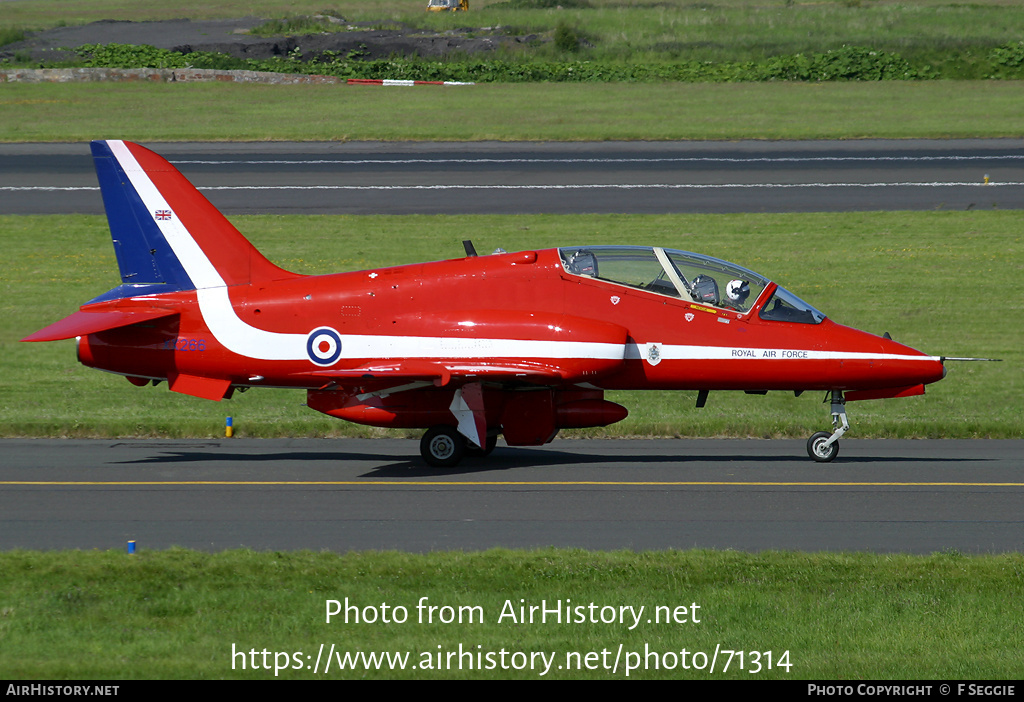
{"x": 229, "y": 430}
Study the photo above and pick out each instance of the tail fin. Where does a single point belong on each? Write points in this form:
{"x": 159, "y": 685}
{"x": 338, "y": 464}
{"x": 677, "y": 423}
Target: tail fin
{"x": 166, "y": 235}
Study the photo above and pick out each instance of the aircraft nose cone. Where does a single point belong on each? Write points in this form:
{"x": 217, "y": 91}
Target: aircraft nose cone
{"x": 913, "y": 365}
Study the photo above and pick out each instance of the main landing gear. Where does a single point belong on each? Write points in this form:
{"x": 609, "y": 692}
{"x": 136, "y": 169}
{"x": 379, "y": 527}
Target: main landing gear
{"x": 443, "y": 446}
{"x": 823, "y": 447}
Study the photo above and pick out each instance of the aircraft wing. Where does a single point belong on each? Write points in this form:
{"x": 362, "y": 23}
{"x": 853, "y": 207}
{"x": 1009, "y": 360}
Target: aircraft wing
{"x": 441, "y": 373}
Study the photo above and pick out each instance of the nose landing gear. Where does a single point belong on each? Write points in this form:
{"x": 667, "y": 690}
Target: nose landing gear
{"x": 823, "y": 447}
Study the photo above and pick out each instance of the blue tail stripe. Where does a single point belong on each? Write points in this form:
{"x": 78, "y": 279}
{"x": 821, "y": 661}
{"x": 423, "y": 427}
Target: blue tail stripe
{"x": 143, "y": 255}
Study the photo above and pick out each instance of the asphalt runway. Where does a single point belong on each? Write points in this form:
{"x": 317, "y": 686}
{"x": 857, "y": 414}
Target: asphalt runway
{"x": 563, "y": 178}
{"x": 352, "y": 494}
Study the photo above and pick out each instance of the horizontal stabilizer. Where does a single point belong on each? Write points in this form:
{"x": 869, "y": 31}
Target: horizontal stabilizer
{"x": 90, "y": 322}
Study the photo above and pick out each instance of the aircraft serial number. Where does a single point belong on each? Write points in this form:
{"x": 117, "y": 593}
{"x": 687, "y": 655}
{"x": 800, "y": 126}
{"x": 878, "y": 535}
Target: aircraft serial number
{"x": 183, "y": 343}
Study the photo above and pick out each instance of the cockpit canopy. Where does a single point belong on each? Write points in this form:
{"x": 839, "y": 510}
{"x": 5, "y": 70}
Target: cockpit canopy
{"x": 688, "y": 276}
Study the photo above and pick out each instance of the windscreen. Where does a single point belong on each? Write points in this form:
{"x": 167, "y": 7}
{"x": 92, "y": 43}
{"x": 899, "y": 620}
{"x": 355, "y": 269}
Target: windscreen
{"x": 784, "y": 306}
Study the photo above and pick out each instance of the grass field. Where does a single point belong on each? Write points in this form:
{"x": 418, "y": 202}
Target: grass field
{"x": 896, "y": 272}
{"x": 180, "y": 614}
{"x": 934, "y": 31}
{"x": 560, "y": 112}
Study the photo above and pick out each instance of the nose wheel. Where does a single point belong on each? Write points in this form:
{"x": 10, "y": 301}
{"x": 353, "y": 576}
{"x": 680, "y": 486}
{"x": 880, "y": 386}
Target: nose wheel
{"x": 820, "y": 449}
{"x": 823, "y": 447}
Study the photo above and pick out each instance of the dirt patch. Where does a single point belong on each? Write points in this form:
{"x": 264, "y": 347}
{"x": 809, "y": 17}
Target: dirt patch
{"x": 230, "y": 37}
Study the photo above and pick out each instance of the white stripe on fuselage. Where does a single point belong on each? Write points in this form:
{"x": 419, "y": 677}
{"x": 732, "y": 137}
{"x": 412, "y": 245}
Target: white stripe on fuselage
{"x": 670, "y": 352}
{"x": 245, "y": 340}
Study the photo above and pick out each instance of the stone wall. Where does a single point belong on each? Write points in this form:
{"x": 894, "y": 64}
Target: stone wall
{"x": 158, "y": 75}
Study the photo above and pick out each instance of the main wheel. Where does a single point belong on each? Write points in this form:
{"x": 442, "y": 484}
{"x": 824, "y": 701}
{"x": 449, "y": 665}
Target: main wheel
{"x": 485, "y": 450}
{"x": 817, "y": 449}
{"x": 442, "y": 446}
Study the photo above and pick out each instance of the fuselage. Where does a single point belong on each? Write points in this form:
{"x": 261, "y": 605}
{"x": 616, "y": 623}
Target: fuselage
{"x": 513, "y": 344}
{"x": 498, "y": 311}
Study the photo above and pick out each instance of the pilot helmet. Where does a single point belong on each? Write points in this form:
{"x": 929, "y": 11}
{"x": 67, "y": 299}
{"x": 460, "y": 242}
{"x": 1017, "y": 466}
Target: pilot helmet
{"x": 704, "y": 289}
{"x": 737, "y": 291}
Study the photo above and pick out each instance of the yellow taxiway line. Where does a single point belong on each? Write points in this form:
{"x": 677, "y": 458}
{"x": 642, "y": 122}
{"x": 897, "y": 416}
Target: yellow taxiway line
{"x": 487, "y": 483}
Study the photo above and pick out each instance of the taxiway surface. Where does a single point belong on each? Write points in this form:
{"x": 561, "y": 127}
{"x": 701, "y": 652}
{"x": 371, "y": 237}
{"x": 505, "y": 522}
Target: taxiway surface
{"x": 353, "y": 494}
{"x": 562, "y": 178}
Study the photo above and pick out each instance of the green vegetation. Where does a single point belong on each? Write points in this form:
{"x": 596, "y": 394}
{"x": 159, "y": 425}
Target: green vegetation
{"x": 645, "y": 48}
{"x": 842, "y": 64}
{"x": 718, "y": 30}
{"x": 317, "y": 24}
{"x": 646, "y": 40}
{"x": 944, "y": 282}
{"x": 180, "y": 614}
{"x": 10, "y": 35}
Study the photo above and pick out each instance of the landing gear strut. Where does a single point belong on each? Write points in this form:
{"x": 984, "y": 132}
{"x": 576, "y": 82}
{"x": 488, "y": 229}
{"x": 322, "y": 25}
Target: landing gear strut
{"x": 822, "y": 446}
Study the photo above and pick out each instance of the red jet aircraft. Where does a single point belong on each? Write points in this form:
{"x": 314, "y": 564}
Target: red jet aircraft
{"x": 518, "y": 344}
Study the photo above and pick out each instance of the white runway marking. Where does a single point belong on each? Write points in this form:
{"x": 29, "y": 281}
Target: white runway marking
{"x": 580, "y": 186}
{"x": 667, "y": 159}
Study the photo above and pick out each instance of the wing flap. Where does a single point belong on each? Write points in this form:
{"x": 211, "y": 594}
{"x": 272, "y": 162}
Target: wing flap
{"x": 200, "y": 386}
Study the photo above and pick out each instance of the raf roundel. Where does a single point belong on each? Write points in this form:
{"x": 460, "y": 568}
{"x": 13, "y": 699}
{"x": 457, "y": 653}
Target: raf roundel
{"x": 323, "y": 346}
